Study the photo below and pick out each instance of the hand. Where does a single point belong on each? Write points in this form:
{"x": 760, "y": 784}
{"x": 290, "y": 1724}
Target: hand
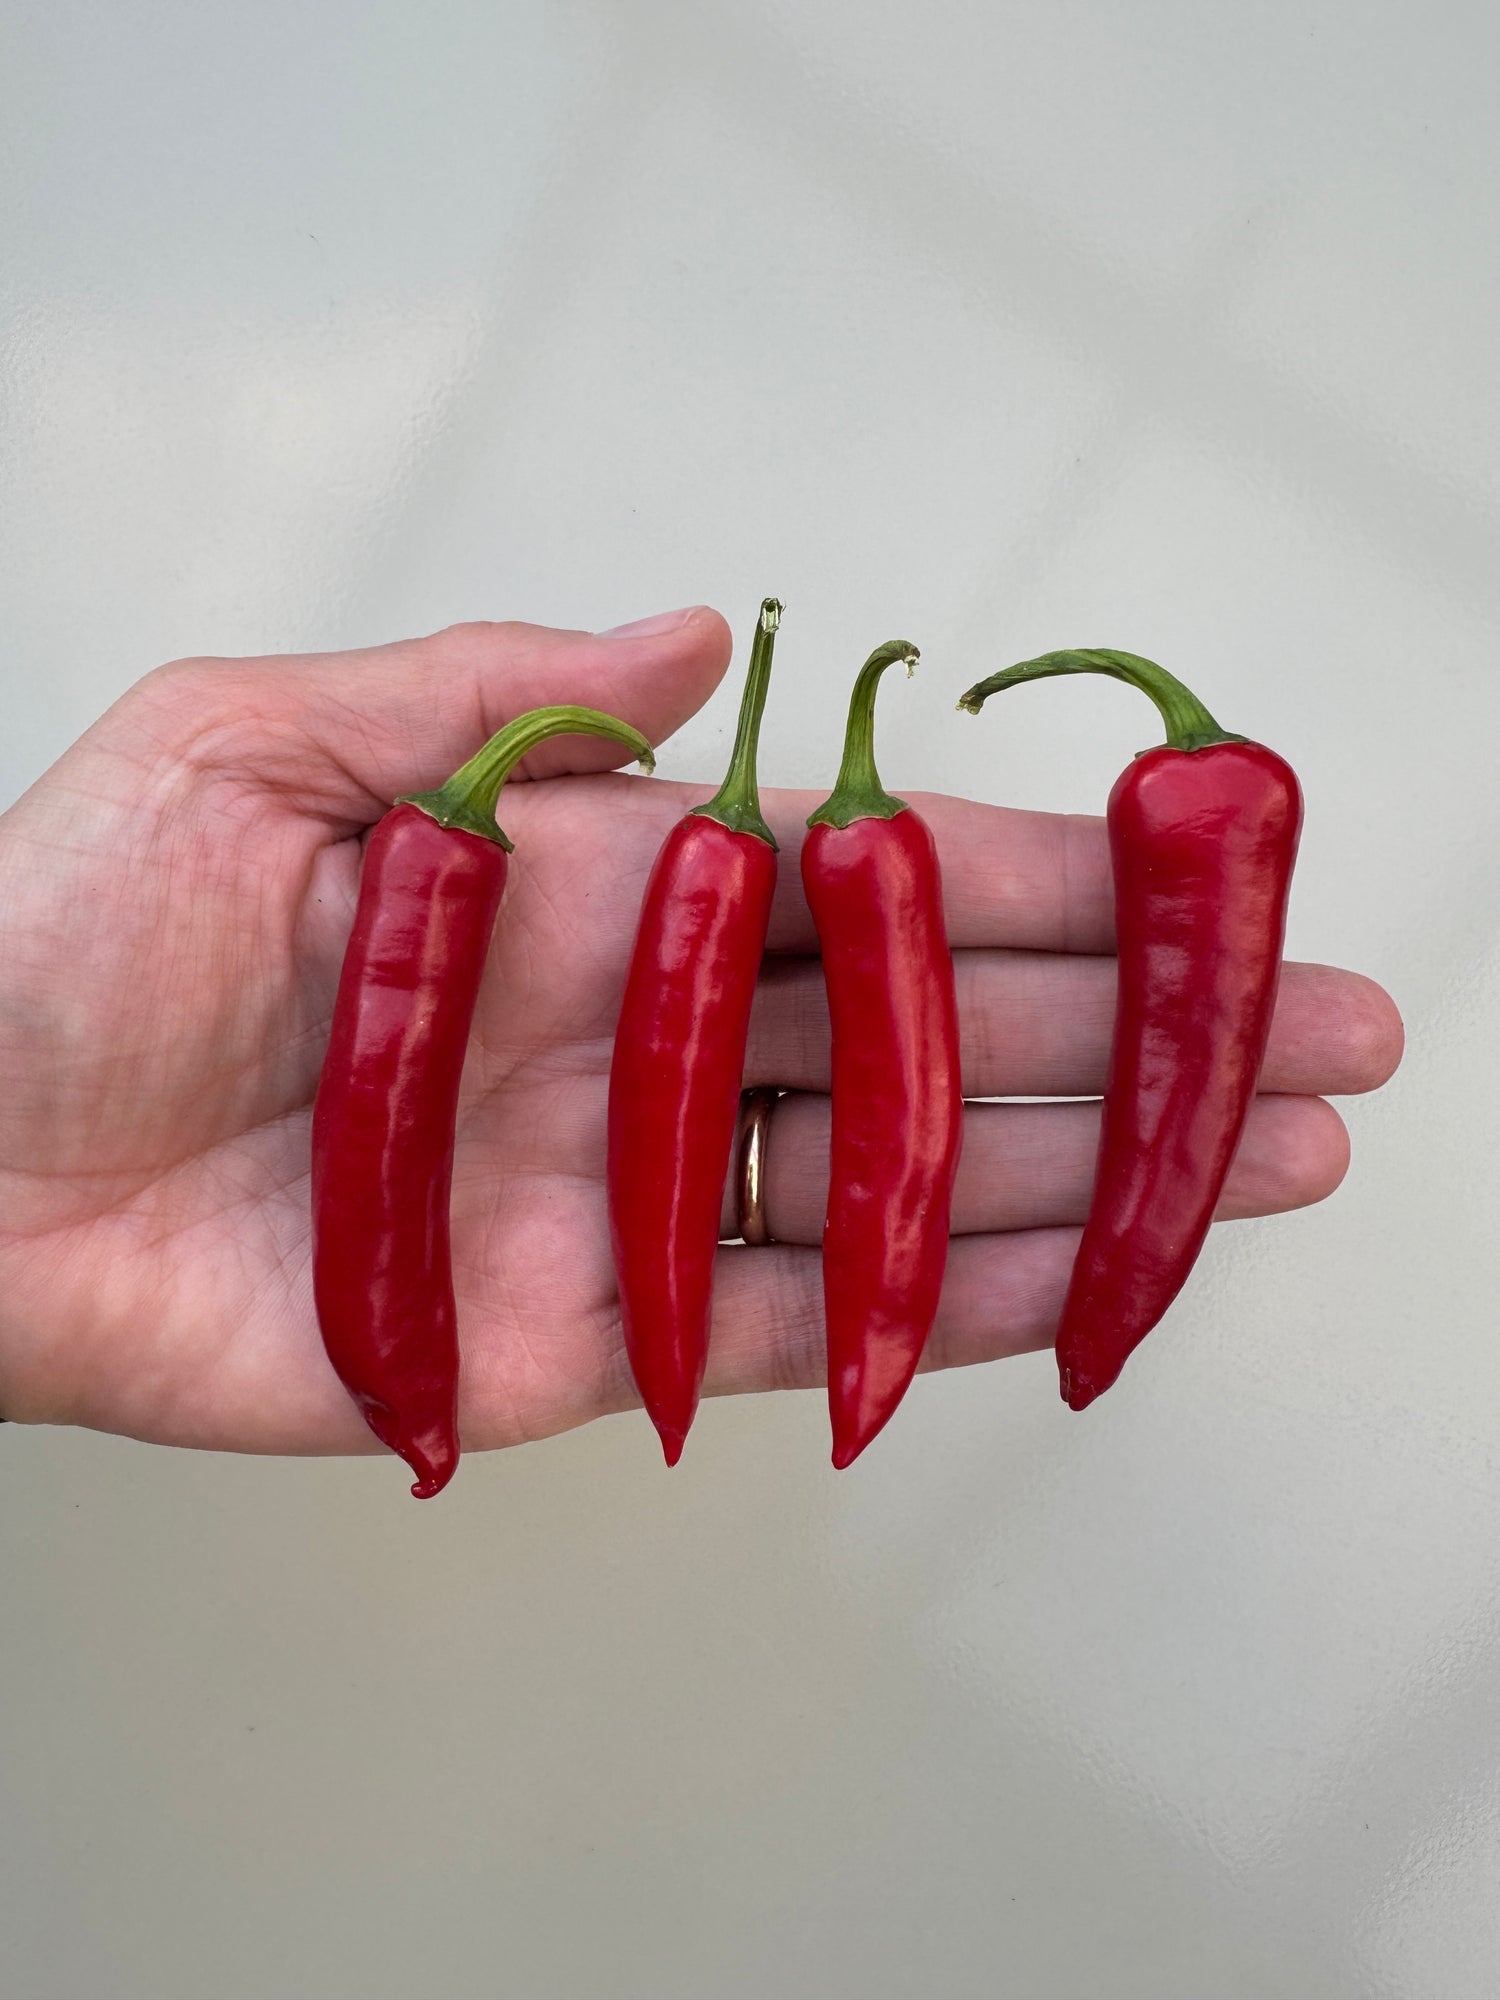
{"x": 178, "y": 890}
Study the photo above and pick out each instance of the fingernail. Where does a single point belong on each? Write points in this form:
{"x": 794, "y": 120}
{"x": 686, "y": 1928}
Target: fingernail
{"x": 652, "y": 628}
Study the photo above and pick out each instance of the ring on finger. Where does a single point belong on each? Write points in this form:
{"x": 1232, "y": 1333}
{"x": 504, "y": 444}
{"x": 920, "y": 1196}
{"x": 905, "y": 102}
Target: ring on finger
{"x": 751, "y": 1137}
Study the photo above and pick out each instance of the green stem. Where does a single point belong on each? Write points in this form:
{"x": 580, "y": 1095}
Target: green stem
{"x": 736, "y": 804}
{"x": 859, "y": 793}
{"x": 469, "y": 798}
{"x": 1189, "y": 724}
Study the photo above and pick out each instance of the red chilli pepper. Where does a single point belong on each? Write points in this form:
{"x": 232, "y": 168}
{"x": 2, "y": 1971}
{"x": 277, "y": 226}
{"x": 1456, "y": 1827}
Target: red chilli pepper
{"x": 870, "y": 869}
{"x": 1203, "y": 838}
{"x": 679, "y": 1060}
{"x": 383, "y": 1120}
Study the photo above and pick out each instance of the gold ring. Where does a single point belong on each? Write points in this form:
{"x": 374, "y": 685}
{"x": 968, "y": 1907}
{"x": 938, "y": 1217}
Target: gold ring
{"x": 756, "y": 1107}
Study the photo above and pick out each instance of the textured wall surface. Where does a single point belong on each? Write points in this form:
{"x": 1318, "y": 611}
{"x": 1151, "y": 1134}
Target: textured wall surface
{"x": 1011, "y": 326}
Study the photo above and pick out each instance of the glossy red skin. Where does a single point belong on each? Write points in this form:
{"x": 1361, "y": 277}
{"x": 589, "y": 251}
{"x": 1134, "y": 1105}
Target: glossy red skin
{"x": 382, "y": 1157}
{"x": 875, "y": 892}
{"x": 1203, "y": 843}
{"x": 674, "y": 1093}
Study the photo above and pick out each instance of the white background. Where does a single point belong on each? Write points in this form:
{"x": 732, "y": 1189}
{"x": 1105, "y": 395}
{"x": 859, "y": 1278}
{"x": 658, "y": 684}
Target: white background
{"x": 1007, "y": 327}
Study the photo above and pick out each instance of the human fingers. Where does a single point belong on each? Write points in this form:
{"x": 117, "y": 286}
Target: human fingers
{"x": 1031, "y": 881}
{"x": 1001, "y": 1296}
{"x": 1031, "y": 1166}
{"x": 339, "y": 735}
{"x": 1038, "y": 1024}
{"x": 1035, "y": 881}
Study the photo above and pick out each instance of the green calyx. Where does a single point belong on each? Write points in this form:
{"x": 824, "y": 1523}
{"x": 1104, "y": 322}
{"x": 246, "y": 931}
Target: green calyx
{"x": 468, "y": 800}
{"x": 736, "y": 804}
{"x": 859, "y": 793}
{"x": 1189, "y": 724}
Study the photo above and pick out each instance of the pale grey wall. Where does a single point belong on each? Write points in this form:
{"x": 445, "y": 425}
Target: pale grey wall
{"x": 1156, "y": 324}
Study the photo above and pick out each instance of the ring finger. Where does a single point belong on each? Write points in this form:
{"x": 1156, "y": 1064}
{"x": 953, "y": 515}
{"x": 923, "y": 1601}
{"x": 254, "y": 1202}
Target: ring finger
{"x": 1031, "y": 1166}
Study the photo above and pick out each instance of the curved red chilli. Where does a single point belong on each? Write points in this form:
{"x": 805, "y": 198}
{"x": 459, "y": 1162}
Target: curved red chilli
{"x": 875, "y": 892}
{"x": 674, "y": 1097}
{"x": 382, "y": 1159}
{"x": 1203, "y": 843}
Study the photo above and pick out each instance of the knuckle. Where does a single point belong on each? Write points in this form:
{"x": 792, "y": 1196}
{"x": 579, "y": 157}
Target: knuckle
{"x": 184, "y": 691}
{"x": 164, "y": 714}
{"x": 202, "y": 720}
{"x": 479, "y": 635}
{"x": 167, "y": 687}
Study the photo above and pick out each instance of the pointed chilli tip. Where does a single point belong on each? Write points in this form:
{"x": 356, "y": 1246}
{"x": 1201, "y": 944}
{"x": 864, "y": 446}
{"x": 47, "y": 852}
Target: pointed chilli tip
{"x": 671, "y": 1432}
{"x": 856, "y": 1425}
{"x": 431, "y": 1479}
{"x": 853, "y": 1437}
{"x": 1077, "y": 1394}
{"x": 433, "y": 1470}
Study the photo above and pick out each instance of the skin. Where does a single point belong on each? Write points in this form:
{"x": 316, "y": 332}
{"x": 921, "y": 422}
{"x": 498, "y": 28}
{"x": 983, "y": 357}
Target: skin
{"x": 178, "y": 890}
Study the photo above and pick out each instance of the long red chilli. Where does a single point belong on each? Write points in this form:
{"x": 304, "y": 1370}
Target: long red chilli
{"x": 383, "y": 1119}
{"x": 679, "y": 1060}
{"x": 870, "y": 870}
{"x": 1203, "y": 838}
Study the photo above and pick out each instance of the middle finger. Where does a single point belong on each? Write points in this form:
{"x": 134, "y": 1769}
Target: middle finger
{"x": 1038, "y": 1024}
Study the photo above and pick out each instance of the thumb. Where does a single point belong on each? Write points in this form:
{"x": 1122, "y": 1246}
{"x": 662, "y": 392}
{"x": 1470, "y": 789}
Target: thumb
{"x": 349, "y": 731}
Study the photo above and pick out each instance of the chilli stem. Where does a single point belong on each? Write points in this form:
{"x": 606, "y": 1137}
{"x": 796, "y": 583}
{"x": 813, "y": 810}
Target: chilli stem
{"x": 469, "y": 798}
{"x": 1189, "y": 724}
{"x": 859, "y": 793}
{"x": 736, "y": 804}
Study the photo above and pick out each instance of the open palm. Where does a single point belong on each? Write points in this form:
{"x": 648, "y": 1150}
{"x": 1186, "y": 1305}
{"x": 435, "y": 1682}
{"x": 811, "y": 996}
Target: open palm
{"x": 178, "y": 891}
